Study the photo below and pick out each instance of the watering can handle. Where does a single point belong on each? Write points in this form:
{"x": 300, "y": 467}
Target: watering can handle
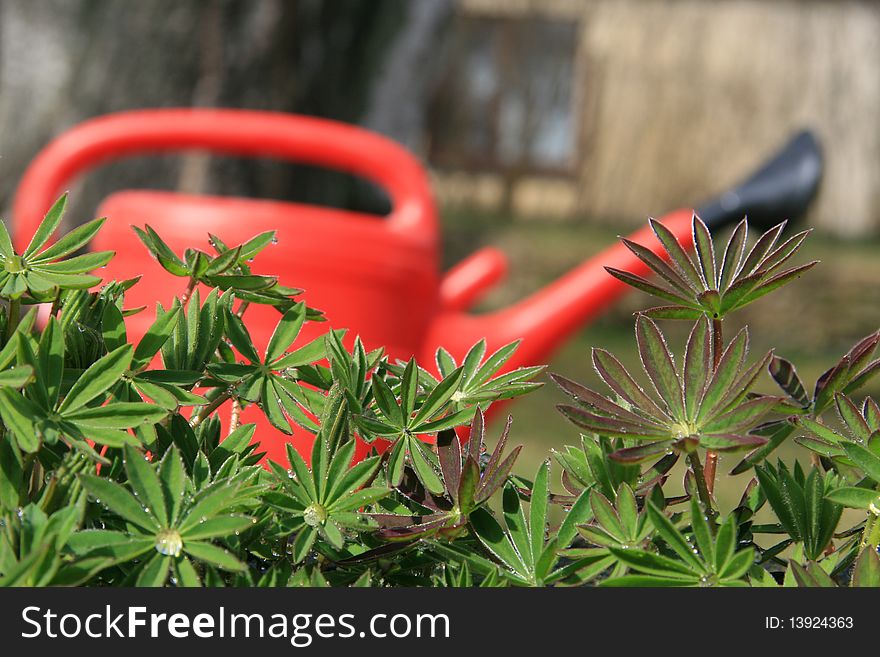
{"x": 240, "y": 132}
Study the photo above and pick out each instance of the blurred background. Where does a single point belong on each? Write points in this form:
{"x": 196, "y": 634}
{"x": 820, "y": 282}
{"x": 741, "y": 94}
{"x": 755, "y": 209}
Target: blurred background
{"x": 549, "y": 126}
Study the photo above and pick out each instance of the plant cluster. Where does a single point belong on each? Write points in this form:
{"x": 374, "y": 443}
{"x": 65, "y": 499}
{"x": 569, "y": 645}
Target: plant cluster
{"x": 126, "y": 463}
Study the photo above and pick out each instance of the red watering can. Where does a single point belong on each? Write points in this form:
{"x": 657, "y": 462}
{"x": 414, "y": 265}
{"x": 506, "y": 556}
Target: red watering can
{"x": 376, "y": 276}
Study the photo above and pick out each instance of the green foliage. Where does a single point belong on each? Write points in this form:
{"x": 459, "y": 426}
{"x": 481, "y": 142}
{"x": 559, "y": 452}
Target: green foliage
{"x": 125, "y": 462}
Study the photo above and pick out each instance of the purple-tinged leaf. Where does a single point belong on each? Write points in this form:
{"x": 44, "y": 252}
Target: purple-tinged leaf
{"x": 862, "y": 377}
{"x": 449, "y": 453}
{"x": 411, "y": 488}
{"x": 871, "y": 413}
{"x": 733, "y": 296}
{"x": 829, "y": 384}
{"x": 674, "y": 312}
{"x": 499, "y": 448}
{"x": 640, "y": 453}
{"x": 733, "y": 254}
{"x": 642, "y": 284}
{"x": 762, "y": 247}
{"x": 850, "y": 414}
{"x": 494, "y": 479}
{"x": 705, "y": 248}
{"x": 728, "y": 442}
{"x": 476, "y": 435}
{"x": 697, "y": 365}
{"x": 658, "y": 365}
{"x": 774, "y": 283}
{"x": 615, "y": 376}
{"x": 611, "y": 427}
{"x": 678, "y": 256}
{"x": 786, "y": 376}
{"x": 686, "y": 444}
{"x": 468, "y": 485}
{"x": 607, "y": 517}
{"x": 781, "y": 254}
{"x": 741, "y": 388}
{"x": 745, "y": 416}
{"x": 659, "y": 266}
{"x": 862, "y": 351}
{"x": 724, "y": 376}
{"x": 595, "y": 402}
{"x": 408, "y": 533}
{"x": 569, "y": 485}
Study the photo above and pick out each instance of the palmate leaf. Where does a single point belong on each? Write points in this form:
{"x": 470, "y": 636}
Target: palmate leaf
{"x": 698, "y": 404}
{"x": 163, "y": 528}
{"x": 42, "y": 273}
{"x": 697, "y": 285}
{"x": 319, "y": 501}
{"x": 849, "y": 374}
{"x": 463, "y": 487}
{"x": 862, "y": 425}
{"x": 801, "y": 504}
{"x": 700, "y": 561}
{"x": 528, "y": 556}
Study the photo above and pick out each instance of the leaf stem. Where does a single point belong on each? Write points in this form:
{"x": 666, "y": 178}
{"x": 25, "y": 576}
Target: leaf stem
{"x": 209, "y": 408}
{"x": 235, "y": 415}
{"x": 702, "y": 489}
{"x": 717, "y": 350}
{"x": 13, "y": 318}
{"x": 187, "y": 293}
{"x": 871, "y": 533}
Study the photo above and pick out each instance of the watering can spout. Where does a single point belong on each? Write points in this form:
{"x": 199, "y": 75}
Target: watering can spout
{"x": 781, "y": 189}
{"x": 545, "y": 319}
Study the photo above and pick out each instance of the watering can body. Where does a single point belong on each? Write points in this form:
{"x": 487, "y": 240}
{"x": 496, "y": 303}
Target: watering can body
{"x": 376, "y": 276}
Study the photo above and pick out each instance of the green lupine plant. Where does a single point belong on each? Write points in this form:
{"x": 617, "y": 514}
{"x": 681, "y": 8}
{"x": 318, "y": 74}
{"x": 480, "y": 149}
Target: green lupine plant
{"x": 465, "y": 487}
{"x": 164, "y": 523}
{"x": 401, "y": 421}
{"x": 325, "y": 499}
{"x": 694, "y": 405}
{"x": 40, "y": 271}
{"x": 44, "y": 415}
{"x": 126, "y": 463}
{"x": 705, "y": 560}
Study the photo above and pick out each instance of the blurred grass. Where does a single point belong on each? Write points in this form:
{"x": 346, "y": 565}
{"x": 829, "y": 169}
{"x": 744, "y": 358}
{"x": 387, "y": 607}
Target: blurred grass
{"x": 812, "y": 322}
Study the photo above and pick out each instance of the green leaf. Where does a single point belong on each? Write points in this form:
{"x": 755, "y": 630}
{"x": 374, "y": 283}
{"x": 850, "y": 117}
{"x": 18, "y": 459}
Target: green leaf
{"x": 47, "y": 226}
{"x": 118, "y": 415}
{"x": 143, "y": 479}
{"x": 654, "y": 564}
{"x": 16, "y": 377}
{"x": 154, "y": 572}
{"x": 865, "y": 459}
{"x": 213, "y": 555}
{"x": 119, "y": 501}
{"x": 493, "y": 537}
{"x": 438, "y": 398}
{"x": 866, "y": 572}
{"x": 18, "y": 414}
{"x": 286, "y": 332}
{"x": 97, "y": 378}
{"x": 425, "y": 471}
{"x": 72, "y": 241}
{"x": 218, "y": 526}
{"x": 673, "y": 538}
{"x": 538, "y": 509}
{"x": 855, "y": 498}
